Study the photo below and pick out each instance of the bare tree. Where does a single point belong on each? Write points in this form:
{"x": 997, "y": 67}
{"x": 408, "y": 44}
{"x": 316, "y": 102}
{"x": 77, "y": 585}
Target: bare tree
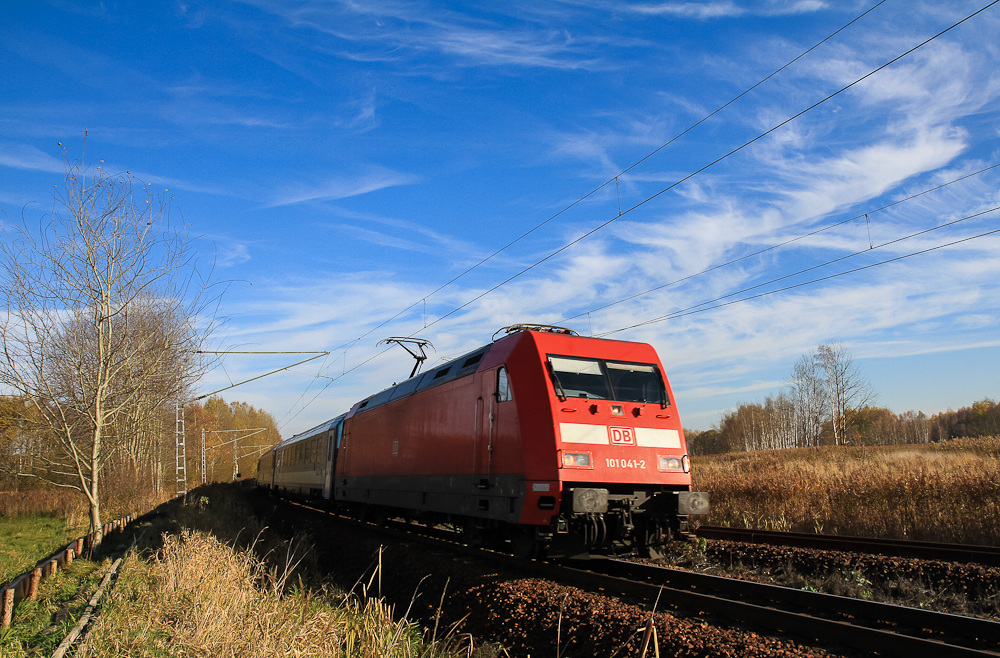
{"x": 102, "y": 320}
{"x": 808, "y": 395}
{"x": 846, "y": 388}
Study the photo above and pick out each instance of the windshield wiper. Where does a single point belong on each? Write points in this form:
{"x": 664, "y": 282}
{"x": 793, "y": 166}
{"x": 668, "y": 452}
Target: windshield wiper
{"x": 560, "y": 391}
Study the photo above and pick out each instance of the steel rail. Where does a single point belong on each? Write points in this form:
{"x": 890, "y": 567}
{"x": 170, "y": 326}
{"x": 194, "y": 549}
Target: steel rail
{"x": 81, "y": 624}
{"x": 985, "y": 555}
{"x": 826, "y": 618}
{"x": 860, "y": 624}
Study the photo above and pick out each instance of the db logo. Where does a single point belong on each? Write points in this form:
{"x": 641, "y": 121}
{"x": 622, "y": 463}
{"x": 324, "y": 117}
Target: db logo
{"x": 622, "y": 436}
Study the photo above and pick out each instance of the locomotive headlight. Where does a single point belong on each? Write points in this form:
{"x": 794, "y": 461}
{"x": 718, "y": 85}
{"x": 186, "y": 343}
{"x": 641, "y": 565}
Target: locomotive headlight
{"x": 575, "y": 460}
{"x": 673, "y": 464}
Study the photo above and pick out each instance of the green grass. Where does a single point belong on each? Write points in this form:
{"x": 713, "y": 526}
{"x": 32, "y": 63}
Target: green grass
{"x": 39, "y": 626}
{"x": 24, "y": 540}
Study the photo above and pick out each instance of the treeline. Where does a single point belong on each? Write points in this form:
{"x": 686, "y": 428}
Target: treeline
{"x": 772, "y": 425}
{"x": 233, "y": 428}
{"x": 141, "y": 459}
{"x": 829, "y": 402}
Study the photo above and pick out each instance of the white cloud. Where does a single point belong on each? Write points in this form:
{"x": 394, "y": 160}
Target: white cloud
{"x": 403, "y": 234}
{"x": 390, "y": 31}
{"x": 377, "y": 178}
{"x": 719, "y": 10}
{"x": 24, "y": 156}
{"x": 819, "y": 186}
{"x": 232, "y": 254}
{"x": 698, "y": 10}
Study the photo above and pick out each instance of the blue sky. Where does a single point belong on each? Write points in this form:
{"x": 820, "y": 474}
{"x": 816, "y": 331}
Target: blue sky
{"x": 339, "y": 163}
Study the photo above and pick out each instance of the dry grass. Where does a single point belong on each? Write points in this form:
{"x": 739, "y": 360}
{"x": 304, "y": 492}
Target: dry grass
{"x": 936, "y": 492}
{"x": 207, "y": 578}
{"x": 199, "y": 597}
{"x": 62, "y": 503}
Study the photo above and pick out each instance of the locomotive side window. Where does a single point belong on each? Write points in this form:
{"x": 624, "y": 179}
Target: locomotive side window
{"x": 503, "y": 385}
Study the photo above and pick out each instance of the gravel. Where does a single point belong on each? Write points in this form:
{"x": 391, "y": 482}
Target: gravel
{"x": 507, "y": 613}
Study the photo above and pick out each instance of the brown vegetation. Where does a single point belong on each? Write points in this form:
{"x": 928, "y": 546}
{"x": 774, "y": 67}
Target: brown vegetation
{"x": 948, "y": 491}
{"x": 221, "y": 422}
{"x": 129, "y": 485}
{"x": 201, "y": 597}
{"x": 58, "y": 503}
{"x": 208, "y": 578}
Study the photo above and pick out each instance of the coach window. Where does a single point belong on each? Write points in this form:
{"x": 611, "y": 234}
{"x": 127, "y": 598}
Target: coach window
{"x": 503, "y": 385}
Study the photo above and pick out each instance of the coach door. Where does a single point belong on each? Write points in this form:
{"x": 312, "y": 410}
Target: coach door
{"x": 495, "y": 390}
{"x": 329, "y": 460}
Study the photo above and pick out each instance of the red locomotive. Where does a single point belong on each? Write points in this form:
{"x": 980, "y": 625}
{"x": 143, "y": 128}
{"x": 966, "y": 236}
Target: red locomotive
{"x": 554, "y": 442}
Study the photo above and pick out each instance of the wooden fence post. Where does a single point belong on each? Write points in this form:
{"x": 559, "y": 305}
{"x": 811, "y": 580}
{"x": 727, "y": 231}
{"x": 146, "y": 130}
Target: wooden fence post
{"x": 36, "y": 577}
{"x": 75, "y": 549}
{"x": 7, "y": 607}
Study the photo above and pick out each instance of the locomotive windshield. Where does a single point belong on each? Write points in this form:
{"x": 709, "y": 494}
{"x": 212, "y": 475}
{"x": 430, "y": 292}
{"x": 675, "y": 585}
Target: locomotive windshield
{"x": 599, "y": 379}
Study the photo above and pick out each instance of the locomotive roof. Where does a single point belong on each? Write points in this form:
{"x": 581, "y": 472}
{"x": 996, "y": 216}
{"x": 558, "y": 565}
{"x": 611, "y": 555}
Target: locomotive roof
{"x": 452, "y": 369}
{"x": 455, "y": 368}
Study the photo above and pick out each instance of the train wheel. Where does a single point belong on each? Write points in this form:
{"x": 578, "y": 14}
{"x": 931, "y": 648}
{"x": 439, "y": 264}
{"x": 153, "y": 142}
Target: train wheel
{"x": 374, "y": 515}
{"x": 524, "y": 545}
{"x": 656, "y": 539}
{"x": 473, "y": 533}
{"x": 654, "y": 552}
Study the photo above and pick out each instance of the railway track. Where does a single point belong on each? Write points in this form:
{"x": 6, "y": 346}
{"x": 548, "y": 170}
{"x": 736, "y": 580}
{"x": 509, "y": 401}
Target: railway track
{"x": 864, "y": 625}
{"x": 819, "y": 619}
{"x": 985, "y": 555}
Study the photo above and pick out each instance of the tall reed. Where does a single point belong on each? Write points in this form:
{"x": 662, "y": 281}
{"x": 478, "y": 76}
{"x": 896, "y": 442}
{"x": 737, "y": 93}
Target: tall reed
{"x": 947, "y": 491}
{"x": 63, "y": 503}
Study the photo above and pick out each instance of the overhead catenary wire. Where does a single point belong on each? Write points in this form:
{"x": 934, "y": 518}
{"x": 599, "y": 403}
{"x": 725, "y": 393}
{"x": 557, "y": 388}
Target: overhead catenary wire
{"x": 711, "y": 164}
{"x": 706, "y": 271}
{"x": 779, "y": 245}
{"x": 252, "y": 379}
{"x": 659, "y": 193}
{"x": 804, "y": 283}
{"x": 330, "y": 381}
{"x": 704, "y": 306}
{"x": 613, "y": 179}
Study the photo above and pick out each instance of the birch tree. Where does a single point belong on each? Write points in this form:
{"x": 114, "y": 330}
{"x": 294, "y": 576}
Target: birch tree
{"x": 102, "y": 320}
{"x": 808, "y": 395}
{"x": 846, "y": 388}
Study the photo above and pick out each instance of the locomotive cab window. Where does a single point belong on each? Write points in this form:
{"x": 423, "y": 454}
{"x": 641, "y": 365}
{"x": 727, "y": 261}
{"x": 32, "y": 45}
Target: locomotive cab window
{"x": 579, "y": 378}
{"x": 598, "y": 379}
{"x": 636, "y": 382}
